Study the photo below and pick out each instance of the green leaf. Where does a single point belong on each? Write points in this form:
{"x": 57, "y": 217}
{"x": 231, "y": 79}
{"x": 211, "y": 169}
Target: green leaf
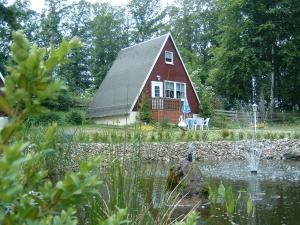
{"x": 221, "y": 191}
{"x": 4, "y": 106}
{"x": 250, "y": 205}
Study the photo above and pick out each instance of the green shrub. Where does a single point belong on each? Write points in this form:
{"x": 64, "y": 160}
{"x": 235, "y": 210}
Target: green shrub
{"x": 232, "y": 135}
{"x": 190, "y": 135}
{"x": 152, "y": 137}
{"x": 258, "y": 136}
{"x": 74, "y": 118}
{"x": 225, "y": 134}
{"x": 205, "y": 136}
{"x": 249, "y": 135}
{"x": 165, "y": 124}
{"x": 296, "y": 135}
{"x": 64, "y": 102}
{"x": 27, "y": 196}
{"x": 45, "y": 119}
{"x": 241, "y": 135}
{"x": 281, "y": 135}
{"x": 145, "y": 114}
{"x": 207, "y": 97}
{"x": 197, "y": 136}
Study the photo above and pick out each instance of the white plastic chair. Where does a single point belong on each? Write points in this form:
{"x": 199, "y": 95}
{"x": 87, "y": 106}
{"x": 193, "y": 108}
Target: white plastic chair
{"x": 198, "y": 122}
{"x": 206, "y": 123}
{"x": 190, "y": 122}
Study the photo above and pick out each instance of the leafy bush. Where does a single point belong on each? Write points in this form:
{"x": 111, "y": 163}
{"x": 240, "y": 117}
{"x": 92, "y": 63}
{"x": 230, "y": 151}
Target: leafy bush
{"x": 46, "y": 119}
{"x": 225, "y": 134}
{"x": 145, "y": 114}
{"x": 74, "y": 118}
{"x": 64, "y": 101}
{"x": 165, "y": 124}
{"x": 27, "y": 195}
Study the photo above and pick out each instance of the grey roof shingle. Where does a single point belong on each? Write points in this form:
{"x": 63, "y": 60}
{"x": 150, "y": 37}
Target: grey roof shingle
{"x": 123, "y": 82}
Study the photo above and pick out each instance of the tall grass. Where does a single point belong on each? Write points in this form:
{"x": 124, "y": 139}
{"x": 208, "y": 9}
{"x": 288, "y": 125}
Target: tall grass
{"x": 127, "y": 183}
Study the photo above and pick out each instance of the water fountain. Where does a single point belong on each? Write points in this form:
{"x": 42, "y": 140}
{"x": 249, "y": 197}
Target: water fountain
{"x": 252, "y": 148}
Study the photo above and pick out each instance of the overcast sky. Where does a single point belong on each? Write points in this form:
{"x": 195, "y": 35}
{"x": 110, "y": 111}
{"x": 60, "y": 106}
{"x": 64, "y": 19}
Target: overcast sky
{"x": 38, "y": 4}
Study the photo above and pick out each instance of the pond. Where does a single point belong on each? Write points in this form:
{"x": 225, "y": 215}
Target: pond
{"x": 275, "y": 191}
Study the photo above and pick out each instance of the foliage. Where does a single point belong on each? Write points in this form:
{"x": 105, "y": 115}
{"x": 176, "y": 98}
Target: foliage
{"x": 225, "y": 134}
{"x": 224, "y": 43}
{"x": 147, "y": 18}
{"x": 145, "y": 114}
{"x": 74, "y": 118}
{"x": 109, "y": 35}
{"x": 45, "y": 119}
{"x": 190, "y": 220}
{"x": 207, "y": 98}
{"x": 63, "y": 102}
{"x": 26, "y": 195}
{"x": 224, "y": 197}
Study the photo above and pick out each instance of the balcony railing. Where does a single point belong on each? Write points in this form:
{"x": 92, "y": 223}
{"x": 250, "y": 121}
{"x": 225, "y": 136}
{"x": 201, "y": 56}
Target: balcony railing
{"x": 166, "y": 104}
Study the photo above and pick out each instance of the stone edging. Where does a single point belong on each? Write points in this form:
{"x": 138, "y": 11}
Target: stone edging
{"x": 209, "y": 150}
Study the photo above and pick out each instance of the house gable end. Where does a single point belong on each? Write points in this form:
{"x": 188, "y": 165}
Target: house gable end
{"x": 175, "y": 72}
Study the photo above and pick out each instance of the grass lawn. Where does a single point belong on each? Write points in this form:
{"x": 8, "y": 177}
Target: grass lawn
{"x": 151, "y": 133}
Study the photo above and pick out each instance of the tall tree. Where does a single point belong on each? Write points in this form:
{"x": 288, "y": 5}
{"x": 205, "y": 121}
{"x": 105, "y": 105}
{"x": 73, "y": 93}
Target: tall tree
{"x": 14, "y": 17}
{"x": 51, "y": 22}
{"x": 108, "y": 37}
{"x": 147, "y": 18}
{"x": 77, "y": 22}
{"x": 254, "y": 40}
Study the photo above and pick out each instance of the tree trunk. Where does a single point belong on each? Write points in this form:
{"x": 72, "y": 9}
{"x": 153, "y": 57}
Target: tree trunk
{"x": 272, "y": 83}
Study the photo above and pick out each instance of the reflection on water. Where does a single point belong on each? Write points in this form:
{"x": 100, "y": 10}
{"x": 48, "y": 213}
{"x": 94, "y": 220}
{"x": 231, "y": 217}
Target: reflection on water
{"x": 275, "y": 190}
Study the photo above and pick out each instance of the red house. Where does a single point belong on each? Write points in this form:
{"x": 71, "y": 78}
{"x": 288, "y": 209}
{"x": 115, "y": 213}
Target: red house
{"x": 153, "y": 68}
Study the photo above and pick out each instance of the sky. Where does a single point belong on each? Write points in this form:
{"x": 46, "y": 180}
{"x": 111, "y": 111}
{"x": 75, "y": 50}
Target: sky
{"x": 37, "y": 5}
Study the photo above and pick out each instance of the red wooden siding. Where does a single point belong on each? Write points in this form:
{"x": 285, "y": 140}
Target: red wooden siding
{"x": 169, "y": 72}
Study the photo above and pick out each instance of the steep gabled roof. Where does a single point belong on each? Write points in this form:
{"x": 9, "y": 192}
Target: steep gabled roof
{"x": 125, "y": 79}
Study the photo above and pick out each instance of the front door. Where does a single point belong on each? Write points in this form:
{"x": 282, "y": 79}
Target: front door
{"x": 156, "y": 89}
{"x": 157, "y": 95}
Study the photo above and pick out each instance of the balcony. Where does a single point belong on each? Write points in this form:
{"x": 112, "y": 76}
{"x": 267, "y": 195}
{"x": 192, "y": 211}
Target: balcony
{"x": 166, "y": 104}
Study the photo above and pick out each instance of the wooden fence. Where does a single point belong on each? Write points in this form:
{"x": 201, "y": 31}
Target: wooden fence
{"x": 246, "y": 116}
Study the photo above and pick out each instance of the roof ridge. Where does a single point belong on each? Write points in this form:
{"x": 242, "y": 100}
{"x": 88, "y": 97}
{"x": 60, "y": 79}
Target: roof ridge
{"x": 152, "y": 39}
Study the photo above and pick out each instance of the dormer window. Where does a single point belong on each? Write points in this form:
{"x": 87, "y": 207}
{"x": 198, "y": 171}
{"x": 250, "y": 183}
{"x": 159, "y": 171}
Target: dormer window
{"x": 169, "y": 57}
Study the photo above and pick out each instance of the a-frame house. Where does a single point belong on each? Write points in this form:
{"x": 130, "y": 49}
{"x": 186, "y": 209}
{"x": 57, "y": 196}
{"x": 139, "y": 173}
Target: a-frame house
{"x": 153, "y": 68}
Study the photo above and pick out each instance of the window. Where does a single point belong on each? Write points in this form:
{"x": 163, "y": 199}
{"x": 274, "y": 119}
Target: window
{"x": 169, "y": 89}
{"x": 156, "y": 91}
{"x": 169, "y": 57}
{"x": 180, "y": 90}
{"x": 174, "y": 89}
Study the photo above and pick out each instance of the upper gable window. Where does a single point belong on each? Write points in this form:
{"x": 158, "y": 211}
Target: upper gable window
{"x": 169, "y": 57}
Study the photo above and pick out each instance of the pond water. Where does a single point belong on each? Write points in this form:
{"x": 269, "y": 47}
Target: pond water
{"x": 275, "y": 191}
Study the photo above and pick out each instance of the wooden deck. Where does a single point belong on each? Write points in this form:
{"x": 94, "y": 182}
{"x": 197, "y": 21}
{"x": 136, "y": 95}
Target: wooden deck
{"x": 166, "y": 109}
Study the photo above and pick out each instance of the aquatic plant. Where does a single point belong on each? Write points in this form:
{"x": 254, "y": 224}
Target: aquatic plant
{"x": 223, "y": 196}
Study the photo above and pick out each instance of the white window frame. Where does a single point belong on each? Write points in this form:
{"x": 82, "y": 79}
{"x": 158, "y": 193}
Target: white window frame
{"x": 172, "y": 62}
{"x": 184, "y": 84}
{"x": 165, "y": 88}
{"x": 161, "y": 88}
{"x": 175, "y": 89}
